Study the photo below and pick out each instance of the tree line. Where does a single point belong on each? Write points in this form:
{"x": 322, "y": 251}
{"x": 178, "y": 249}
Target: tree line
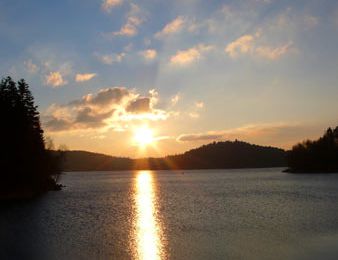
{"x": 217, "y": 155}
{"x": 27, "y": 167}
{"x": 315, "y": 156}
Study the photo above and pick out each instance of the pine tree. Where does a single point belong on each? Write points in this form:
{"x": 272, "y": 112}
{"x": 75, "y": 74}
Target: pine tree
{"x": 26, "y": 164}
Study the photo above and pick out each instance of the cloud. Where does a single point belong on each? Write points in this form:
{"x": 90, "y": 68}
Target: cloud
{"x": 31, "y": 67}
{"x": 311, "y": 21}
{"x": 140, "y": 105}
{"x": 194, "y": 115}
{"x": 134, "y": 19}
{"x": 244, "y": 44}
{"x": 103, "y": 97}
{"x": 174, "y": 100}
{"x": 108, "y": 5}
{"x": 278, "y": 134}
{"x": 199, "y": 137}
{"x": 247, "y": 44}
{"x": 84, "y": 77}
{"x": 149, "y": 54}
{"x": 172, "y": 27}
{"x": 89, "y": 117}
{"x": 199, "y": 104}
{"x": 55, "y": 124}
{"x": 180, "y": 24}
{"x": 273, "y": 53}
{"x": 109, "y": 59}
{"x": 189, "y": 56}
{"x": 55, "y": 79}
{"x": 106, "y": 109}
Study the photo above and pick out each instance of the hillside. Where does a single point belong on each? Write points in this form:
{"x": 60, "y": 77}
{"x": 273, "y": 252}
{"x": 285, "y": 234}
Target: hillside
{"x": 220, "y": 155}
{"x": 228, "y": 154}
{"x": 88, "y": 161}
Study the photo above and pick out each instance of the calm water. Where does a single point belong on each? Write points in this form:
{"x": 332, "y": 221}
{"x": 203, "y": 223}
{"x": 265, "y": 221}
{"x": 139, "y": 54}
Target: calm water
{"x": 207, "y": 214}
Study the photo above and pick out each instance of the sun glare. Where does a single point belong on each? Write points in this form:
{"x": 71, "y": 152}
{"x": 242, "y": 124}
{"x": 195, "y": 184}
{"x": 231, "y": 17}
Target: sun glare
{"x": 143, "y": 136}
{"x": 148, "y": 227}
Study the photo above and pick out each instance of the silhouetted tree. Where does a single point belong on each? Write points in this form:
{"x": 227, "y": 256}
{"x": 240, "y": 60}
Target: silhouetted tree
{"x": 25, "y": 163}
{"x": 316, "y": 156}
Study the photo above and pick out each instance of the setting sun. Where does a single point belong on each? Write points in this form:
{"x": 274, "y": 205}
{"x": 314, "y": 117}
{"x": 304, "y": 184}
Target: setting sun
{"x": 143, "y": 136}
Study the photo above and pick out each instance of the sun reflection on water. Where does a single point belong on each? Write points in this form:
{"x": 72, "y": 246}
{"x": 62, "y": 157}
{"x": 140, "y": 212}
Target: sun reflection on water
{"x": 148, "y": 228}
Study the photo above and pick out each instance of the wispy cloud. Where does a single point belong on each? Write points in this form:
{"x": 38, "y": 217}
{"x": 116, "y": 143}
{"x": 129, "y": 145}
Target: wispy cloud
{"x": 55, "y": 79}
{"x": 149, "y": 54}
{"x": 194, "y": 115}
{"x": 108, "y": 5}
{"x": 31, "y": 67}
{"x": 109, "y": 59}
{"x": 279, "y": 134}
{"x": 247, "y": 44}
{"x": 174, "y": 100}
{"x": 135, "y": 18}
{"x": 172, "y": 27}
{"x": 311, "y": 21}
{"x": 199, "y": 104}
{"x": 273, "y": 53}
{"x": 84, "y": 77}
{"x": 189, "y": 56}
{"x": 243, "y": 44}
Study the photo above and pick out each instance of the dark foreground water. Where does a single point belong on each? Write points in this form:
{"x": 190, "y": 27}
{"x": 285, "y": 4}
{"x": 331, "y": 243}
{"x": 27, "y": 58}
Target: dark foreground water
{"x": 207, "y": 214}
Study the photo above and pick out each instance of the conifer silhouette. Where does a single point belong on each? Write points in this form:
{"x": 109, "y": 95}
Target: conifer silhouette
{"x": 25, "y": 163}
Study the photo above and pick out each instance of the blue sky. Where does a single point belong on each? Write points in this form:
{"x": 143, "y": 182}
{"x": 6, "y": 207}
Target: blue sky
{"x": 264, "y": 71}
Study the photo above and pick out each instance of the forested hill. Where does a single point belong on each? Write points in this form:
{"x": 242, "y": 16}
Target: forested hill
{"x": 88, "y": 161}
{"x": 220, "y": 155}
{"x": 228, "y": 154}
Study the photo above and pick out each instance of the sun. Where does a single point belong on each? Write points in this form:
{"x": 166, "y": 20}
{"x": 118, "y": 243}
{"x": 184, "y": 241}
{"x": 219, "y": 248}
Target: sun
{"x": 143, "y": 136}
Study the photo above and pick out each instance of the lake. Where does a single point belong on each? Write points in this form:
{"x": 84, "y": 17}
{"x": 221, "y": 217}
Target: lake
{"x": 205, "y": 214}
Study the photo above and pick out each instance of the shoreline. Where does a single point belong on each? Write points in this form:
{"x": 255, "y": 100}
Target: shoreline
{"x": 27, "y": 194}
{"x": 292, "y": 171}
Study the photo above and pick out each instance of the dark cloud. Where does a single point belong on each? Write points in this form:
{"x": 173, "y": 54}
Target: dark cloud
{"x": 140, "y": 105}
{"x": 88, "y": 117}
{"x": 56, "y": 124}
{"x": 94, "y": 110}
{"x": 103, "y": 97}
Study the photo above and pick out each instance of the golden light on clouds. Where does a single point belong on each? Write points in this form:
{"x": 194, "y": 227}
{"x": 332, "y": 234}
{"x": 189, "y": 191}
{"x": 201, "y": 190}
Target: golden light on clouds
{"x": 172, "y": 27}
{"x": 250, "y": 44}
{"x": 84, "y": 77}
{"x": 55, "y": 79}
{"x": 191, "y": 55}
{"x": 107, "y": 5}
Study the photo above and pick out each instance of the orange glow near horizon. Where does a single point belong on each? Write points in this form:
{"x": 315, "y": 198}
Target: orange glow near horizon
{"x": 148, "y": 228}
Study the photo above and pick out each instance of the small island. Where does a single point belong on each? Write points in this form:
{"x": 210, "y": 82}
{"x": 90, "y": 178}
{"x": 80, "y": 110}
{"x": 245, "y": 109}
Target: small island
{"x": 27, "y": 167}
{"x": 319, "y": 156}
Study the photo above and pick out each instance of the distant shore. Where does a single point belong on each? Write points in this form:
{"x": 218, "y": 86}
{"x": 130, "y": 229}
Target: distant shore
{"x": 288, "y": 170}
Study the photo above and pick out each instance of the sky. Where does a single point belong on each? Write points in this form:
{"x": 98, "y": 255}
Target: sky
{"x": 189, "y": 71}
